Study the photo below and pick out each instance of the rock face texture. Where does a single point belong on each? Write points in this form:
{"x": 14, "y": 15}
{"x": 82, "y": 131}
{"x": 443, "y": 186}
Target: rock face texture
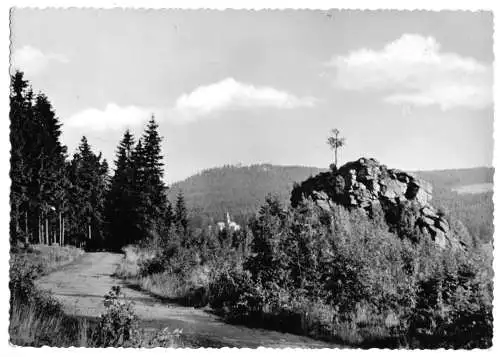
{"x": 366, "y": 183}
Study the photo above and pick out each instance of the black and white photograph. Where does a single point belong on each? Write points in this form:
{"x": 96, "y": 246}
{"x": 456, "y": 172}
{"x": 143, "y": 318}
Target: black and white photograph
{"x": 204, "y": 178}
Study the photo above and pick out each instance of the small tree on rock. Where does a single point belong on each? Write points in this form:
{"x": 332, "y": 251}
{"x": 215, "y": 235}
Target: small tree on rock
{"x": 335, "y": 143}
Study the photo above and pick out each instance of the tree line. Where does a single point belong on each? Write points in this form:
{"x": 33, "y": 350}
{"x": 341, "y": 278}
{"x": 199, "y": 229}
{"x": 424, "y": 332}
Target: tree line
{"x": 57, "y": 199}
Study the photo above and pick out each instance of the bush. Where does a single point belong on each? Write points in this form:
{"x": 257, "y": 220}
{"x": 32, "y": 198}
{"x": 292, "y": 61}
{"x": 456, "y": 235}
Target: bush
{"x": 118, "y": 325}
{"x": 151, "y": 266}
{"x": 22, "y": 276}
{"x": 233, "y": 292}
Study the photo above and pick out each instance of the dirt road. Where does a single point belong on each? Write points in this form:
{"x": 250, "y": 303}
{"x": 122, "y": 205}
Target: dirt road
{"x": 82, "y": 285}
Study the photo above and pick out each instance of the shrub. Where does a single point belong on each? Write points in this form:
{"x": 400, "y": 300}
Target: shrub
{"x": 22, "y": 275}
{"x": 234, "y": 292}
{"x": 118, "y": 325}
{"x": 151, "y": 266}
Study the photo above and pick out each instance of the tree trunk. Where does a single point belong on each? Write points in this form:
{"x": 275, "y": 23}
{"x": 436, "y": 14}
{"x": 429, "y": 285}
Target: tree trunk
{"x": 62, "y": 233}
{"x": 47, "y": 238}
{"x": 60, "y": 227}
{"x": 336, "y": 143}
{"x": 17, "y": 220}
{"x": 26, "y": 227}
{"x": 39, "y": 230}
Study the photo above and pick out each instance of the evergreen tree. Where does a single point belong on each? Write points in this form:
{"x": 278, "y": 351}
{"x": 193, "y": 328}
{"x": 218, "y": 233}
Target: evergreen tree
{"x": 181, "y": 219}
{"x": 48, "y": 165}
{"x": 335, "y": 143}
{"x": 150, "y": 189}
{"x": 89, "y": 181}
{"x": 37, "y": 165}
{"x": 139, "y": 195}
{"x": 20, "y": 117}
{"x": 120, "y": 208}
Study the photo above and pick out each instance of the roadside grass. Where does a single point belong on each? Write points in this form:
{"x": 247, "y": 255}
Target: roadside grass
{"x": 30, "y": 325}
{"x": 187, "y": 289}
{"x": 37, "y": 319}
{"x": 130, "y": 264}
{"x": 48, "y": 257}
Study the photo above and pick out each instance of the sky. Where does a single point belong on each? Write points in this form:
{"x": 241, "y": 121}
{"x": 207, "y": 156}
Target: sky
{"x": 411, "y": 89}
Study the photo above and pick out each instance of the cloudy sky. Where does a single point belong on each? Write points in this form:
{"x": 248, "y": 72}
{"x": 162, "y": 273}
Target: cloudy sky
{"x": 412, "y": 89}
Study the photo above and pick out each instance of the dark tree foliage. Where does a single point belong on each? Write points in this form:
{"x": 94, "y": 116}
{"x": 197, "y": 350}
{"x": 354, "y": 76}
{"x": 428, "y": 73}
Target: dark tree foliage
{"x": 37, "y": 166}
{"x": 120, "y": 205}
{"x": 181, "y": 218}
{"x": 20, "y": 173}
{"x": 89, "y": 182}
{"x": 152, "y": 197}
{"x": 137, "y": 209}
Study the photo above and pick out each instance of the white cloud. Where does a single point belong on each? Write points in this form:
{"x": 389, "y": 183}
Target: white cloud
{"x": 113, "y": 117}
{"x": 33, "y": 61}
{"x": 230, "y": 94}
{"x": 414, "y": 70}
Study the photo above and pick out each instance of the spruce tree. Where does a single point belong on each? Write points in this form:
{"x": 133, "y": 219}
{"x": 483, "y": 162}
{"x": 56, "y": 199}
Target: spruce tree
{"x": 140, "y": 197}
{"x": 89, "y": 181}
{"x": 153, "y": 189}
{"x": 181, "y": 219}
{"x": 120, "y": 208}
{"x": 48, "y": 163}
{"x": 37, "y": 165}
{"x": 20, "y": 173}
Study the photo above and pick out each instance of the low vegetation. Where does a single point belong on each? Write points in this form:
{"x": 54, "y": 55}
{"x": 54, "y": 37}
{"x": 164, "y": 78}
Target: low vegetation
{"x": 36, "y": 319}
{"x": 48, "y": 257}
{"x": 345, "y": 278}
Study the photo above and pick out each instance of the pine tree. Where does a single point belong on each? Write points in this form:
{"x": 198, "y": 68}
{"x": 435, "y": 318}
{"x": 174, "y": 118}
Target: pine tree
{"x": 335, "y": 143}
{"x": 140, "y": 197}
{"x": 37, "y": 164}
{"x": 48, "y": 164}
{"x": 120, "y": 207}
{"x": 181, "y": 219}
{"x": 89, "y": 181}
{"x": 20, "y": 118}
{"x": 149, "y": 164}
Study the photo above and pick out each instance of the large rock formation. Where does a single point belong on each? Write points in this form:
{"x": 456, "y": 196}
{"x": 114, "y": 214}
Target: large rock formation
{"x": 366, "y": 183}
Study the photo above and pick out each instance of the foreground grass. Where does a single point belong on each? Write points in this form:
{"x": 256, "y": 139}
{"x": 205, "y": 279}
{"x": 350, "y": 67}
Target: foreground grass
{"x": 30, "y": 325}
{"x": 36, "y": 319}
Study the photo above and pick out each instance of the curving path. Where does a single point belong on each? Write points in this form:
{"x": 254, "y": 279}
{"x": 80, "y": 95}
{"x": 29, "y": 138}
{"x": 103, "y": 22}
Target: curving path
{"x": 81, "y": 286}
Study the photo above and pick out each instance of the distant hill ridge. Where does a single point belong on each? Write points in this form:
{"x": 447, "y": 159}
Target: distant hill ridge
{"x": 241, "y": 190}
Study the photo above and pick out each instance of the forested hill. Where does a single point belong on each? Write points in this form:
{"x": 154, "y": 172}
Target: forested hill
{"x": 240, "y": 190}
{"x": 459, "y": 179}
{"x": 468, "y": 195}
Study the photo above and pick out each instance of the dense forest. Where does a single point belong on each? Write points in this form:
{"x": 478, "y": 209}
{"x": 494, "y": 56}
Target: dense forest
{"x": 239, "y": 190}
{"x": 341, "y": 275}
{"x": 60, "y": 200}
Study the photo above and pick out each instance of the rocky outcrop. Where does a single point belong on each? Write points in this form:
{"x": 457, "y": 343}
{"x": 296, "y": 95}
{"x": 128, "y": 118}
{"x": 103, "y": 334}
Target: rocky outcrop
{"x": 366, "y": 183}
